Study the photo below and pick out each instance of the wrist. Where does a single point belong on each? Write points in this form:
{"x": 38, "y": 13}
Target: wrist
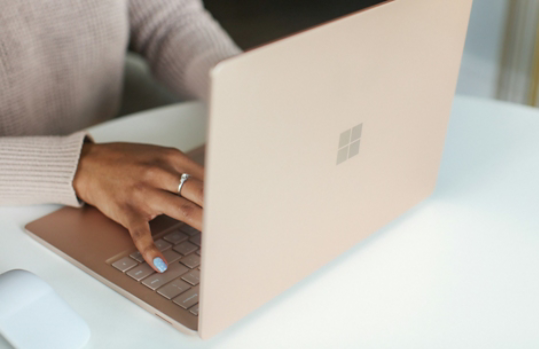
{"x": 80, "y": 178}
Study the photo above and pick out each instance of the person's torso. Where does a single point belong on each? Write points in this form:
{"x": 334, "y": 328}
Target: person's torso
{"x": 61, "y": 64}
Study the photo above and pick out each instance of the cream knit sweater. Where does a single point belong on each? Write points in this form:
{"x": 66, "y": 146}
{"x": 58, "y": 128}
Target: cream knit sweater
{"x": 61, "y": 66}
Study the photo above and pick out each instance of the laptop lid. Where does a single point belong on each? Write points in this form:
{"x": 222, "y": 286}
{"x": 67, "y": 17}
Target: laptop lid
{"x": 317, "y": 141}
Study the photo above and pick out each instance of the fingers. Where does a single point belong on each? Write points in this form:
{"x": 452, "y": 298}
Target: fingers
{"x": 183, "y": 164}
{"x": 177, "y": 207}
{"x": 142, "y": 237}
{"x": 192, "y": 190}
{"x": 194, "y": 169}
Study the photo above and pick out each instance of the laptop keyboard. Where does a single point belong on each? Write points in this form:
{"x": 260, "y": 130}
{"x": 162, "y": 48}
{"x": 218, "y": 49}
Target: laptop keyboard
{"x": 179, "y": 284}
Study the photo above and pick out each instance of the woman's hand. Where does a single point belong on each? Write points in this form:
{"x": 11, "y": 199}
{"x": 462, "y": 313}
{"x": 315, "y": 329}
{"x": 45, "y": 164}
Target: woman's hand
{"x": 134, "y": 183}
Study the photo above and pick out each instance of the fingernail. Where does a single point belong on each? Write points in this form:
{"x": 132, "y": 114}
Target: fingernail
{"x": 159, "y": 264}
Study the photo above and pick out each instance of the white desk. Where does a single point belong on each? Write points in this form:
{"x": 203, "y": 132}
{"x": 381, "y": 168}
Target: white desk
{"x": 461, "y": 270}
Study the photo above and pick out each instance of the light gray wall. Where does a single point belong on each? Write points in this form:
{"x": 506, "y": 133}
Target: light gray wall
{"x": 482, "y": 54}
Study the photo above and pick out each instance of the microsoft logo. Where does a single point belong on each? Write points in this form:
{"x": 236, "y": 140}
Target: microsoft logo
{"x": 349, "y": 144}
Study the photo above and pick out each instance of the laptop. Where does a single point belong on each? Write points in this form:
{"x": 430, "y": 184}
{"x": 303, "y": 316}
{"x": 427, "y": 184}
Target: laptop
{"x": 314, "y": 142}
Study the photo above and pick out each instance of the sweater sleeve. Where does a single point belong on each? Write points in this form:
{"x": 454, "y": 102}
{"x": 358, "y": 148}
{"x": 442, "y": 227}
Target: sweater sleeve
{"x": 37, "y": 170}
{"x": 181, "y": 42}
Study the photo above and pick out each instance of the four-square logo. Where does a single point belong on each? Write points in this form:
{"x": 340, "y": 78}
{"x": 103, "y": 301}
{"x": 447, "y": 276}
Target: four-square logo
{"x": 349, "y": 144}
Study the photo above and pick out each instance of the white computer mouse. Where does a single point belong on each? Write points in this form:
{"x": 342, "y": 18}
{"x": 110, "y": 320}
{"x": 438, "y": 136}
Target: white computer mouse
{"x": 33, "y": 316}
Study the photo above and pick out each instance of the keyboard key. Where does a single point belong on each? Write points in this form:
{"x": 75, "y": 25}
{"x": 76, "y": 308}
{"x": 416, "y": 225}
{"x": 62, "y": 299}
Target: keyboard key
{"x": 196, "y": 239}
{"x": 192, "y": 261}
{"x": 189, "y": 230}
{"x": 192, "y": 277}
{"x": 187, "y": 299}
{"x": 140, "y": 272}
{"x": 185, "y": 248}
{"x": 175, "y": 237}
{"x": 124, "y": 264}
{"x": 171, "y": 256}
{"x": 173, "y": 289}
{"x": 162, "y": 245}
{"x": 174, "y": 271}
{"x": 194, "y": 310}
{"x": 137, "y": 256}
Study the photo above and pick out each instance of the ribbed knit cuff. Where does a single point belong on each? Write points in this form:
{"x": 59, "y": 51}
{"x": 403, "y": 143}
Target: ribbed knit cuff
{"x": 37, "y": 170}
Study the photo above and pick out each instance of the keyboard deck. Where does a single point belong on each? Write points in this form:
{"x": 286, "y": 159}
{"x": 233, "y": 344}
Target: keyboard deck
{"x": 179, "y": 284}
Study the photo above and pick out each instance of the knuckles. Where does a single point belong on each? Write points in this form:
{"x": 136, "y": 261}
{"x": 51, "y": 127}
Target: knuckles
{"x": 136, "y": 195}
{"x": 186, "y": 210}
{"x": 201, "y": 192}
{"x": 171, "y": 155}
{"x": 151, "y": 172}
{"x": 148, "y": 248}
{"x": 138, "y": 234}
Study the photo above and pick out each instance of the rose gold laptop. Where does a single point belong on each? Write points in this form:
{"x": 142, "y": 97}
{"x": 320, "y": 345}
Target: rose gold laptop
{"x": 315, "y": 142}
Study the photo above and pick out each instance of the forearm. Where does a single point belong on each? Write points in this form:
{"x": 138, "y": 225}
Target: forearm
{"x": 181, "y": 42}
{"x": 36, "y": 170}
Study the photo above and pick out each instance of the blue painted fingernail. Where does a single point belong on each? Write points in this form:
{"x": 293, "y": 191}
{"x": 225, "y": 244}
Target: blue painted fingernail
{"x": 159, "y": 264}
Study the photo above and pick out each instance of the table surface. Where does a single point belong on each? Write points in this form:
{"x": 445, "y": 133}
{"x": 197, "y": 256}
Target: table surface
{"x": 460, "y": 270}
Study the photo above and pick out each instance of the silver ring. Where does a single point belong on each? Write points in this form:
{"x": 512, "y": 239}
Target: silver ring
{"x": 183, "y": 179}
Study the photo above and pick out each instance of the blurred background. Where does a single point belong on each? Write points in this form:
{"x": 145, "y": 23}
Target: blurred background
{"x": 501, "y": 58}
{"x": 252, "y": 23}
